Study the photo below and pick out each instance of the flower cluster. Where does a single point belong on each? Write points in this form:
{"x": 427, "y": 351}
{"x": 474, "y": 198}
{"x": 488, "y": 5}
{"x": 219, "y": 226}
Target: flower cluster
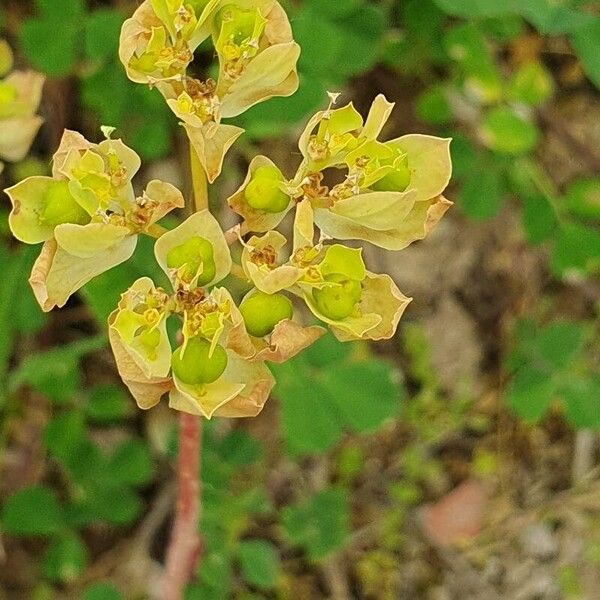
{"x": 20, "y": 95}
{"x": 194, "y": 340}
{"x": 86, "y": 214}
{"x": 257, "y": 60}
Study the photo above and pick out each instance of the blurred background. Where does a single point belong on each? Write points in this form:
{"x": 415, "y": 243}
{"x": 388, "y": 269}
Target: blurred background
{"x": 459, "y": 460}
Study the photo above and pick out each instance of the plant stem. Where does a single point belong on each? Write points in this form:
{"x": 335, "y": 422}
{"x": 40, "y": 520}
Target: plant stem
{"x": 199, "y": 181}
{"x": 184, "y": 546}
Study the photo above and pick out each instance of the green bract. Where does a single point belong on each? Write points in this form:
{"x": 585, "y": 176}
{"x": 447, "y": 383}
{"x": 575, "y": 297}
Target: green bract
{"x": 262, "y": 312}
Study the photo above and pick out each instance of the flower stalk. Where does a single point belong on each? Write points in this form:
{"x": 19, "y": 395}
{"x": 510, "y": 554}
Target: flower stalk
{"x": 184, "y": 547}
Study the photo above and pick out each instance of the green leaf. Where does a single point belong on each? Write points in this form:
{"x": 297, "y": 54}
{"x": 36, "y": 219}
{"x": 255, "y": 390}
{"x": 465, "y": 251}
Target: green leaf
{"x": 113, "y": 504}
{"x": 64, "y": 434}
{"x": 102, "y": 591}
{"x": 577, "y": 248}
{"x": 101, "y": 35}
{"x": 464, "y": 156}
{"x": 586, "y": 41}
{"x": 365, "y": 393}
{"x": 259, "y": 561}
{"x": 32, "y": 511}
{"x": 107, "y": 403}
{"x": 582, "y": 402}
{"x": 65, "y": 559}
{"x": 433, "y": 107}
{"x": 320, "y": 524}
{"x": 310, "y": 422}
{"x": 558, "y": 344}
{"x": 39, "y": 43}
{"x": 326, "y": 352}
{"x": 68, "y": 10}
{"x": 131, "y": 463}
{"x": 240, "y": 449}
{"x": 531, "y": 84}
{"x": 507, "y": 133}
{"x": 530, "y": 394}
{"x": 215, "y": 575}
{"x": 480, "y": 196}
{"x": 583, "y": 198}
{"x": 539, "y": 219}
{"x": 55, "y": 372}
{"x": 473, "y": 8}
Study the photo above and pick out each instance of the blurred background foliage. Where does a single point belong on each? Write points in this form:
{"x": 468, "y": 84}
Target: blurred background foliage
{"x": 349, "y": 484}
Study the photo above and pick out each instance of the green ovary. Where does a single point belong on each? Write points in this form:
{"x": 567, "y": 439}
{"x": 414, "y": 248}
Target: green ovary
{"x": 263, "y": 192}
{"x": 261, "y": 312}
{"x": 336, "y": 302}
{"x": 190, "y": 255}
{"x": 60, "y": 207}
{"x": 197, "y": 366}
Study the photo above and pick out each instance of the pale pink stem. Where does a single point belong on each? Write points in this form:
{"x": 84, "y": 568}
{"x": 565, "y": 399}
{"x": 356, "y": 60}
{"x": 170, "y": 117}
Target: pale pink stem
{"x": 184, "y": 546}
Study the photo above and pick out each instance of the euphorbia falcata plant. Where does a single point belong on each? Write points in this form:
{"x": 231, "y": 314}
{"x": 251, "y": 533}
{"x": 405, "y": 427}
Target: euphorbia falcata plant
{"x": 388, "y": 193}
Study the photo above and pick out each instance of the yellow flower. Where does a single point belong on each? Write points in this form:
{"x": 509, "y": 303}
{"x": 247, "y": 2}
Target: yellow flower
{"x": 86, "y": 214}
{"x": 20, "y": 95}
{"x": 257, "y": 61}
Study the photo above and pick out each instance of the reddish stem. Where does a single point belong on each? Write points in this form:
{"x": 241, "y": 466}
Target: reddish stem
{"x": 184, "y": 546}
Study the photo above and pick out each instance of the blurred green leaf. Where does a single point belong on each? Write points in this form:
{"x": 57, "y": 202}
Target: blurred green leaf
{"x": 240, "y": 449}
{"x": 320, "y": 524}
{"x": 64, "y": 559}
{"x": 107, "y": 403}
{"x": 102, "y": 591}
{"x": 539, "y": 219}
{"x": 259, "y": 561}
{"x": 586, "y": 41}
{"x": 507, "y": 133}
{"x": 481, "y": 193}
{"x": 582, "y": 402}
{"x": 531, "y": 84}
{"x": 583, "y": 198}
{"x": 432, "y": 106}
{"x": 64, "y": 433}
{"x": 557, "y": 345}
{"x": 530, "y": 394}
{"x": 39, "y": 41}
{"x": 131, "y": 463}
{"x": 101, "y": 34}
{"x": 55, "y": 372}
{"x": 32, "y": 511}
{"x": 577, "y": 248}
{"x": 366, "y": 393}
{"x": 309, "y": 419}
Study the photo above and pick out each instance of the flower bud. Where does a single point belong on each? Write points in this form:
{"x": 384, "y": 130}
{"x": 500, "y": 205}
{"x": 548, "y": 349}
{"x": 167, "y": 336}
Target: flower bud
{"x": 261, "y": 312}
{"x": 338, "y": 301}
{"x": 197, "y": 365}
{"x": 263, "y": 192}
{"x": 194, "y": 253}
{"x": 60, "y": 207}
